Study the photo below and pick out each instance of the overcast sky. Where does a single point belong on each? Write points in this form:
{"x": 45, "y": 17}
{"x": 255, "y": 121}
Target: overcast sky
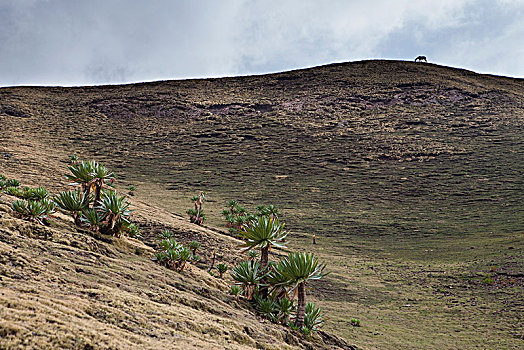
{"x": 85, "y": 42}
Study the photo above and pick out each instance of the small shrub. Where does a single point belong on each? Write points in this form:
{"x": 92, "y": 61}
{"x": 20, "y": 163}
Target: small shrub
{"x": 169, "y": 243}
{"x": 92, "y": 219}
{"x": 267, "y": 308}
{"x": 38, "y": 193}
{"x": 222, "y": 268}
{"x": 165, "y": 234}
{"x": 269, "y": 210}
{"x": 293, "y": 326}
{"x": 247, "y": 275}
{"x": 488, "y": 280}
{"x": 14, "y": 191}
{"x": 132, "y": 190}
{"x": 73, "y": 159}
{"x": 160, "y": 257}
{"x": 285, "y": 307}
{"x": 12, "y": 183}
{"x": 355, "y": 322}
{"x": 235, "y": 216}
{"x": 194, "y": 245}
{"x": 185, "y": 256}
{"x": 76, "y": 202}
{"x": 313, "y": 319}
{"x": 197, "y": 216}
{"x": 35, "y": 211}
{"x": 173, "y": 254}
{"x": 235, "y": 291}
{"x": 115, "y": 212}
{"x": 253, "y": 254}
{"x": 28, "y": 193}
{"x": 19, "y": 207}
{"x": 132, "y": 230}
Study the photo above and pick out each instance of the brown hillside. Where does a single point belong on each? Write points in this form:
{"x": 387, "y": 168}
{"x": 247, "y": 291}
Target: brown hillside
{"x": 410, "y": 174}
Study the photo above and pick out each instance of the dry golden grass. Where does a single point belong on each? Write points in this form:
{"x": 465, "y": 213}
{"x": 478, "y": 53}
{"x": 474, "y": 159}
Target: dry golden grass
{"x": 73, "y": 290}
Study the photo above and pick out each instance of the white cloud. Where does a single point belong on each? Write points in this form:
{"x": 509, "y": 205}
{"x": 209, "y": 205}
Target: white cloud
{"x": 97, "y": 41}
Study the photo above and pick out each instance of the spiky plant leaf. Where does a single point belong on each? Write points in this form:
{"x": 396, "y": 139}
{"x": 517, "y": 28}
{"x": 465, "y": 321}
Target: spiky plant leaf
{"x": 234, "y": 290}
{"x": 285, "y": 307}
{"x": 247, "y": 274}
{"x": 169, "y": 243}
{"x": 173, "y": 254}
{"x": 92, "y": 219}
{"x": 115, "y": 211}
{"x": 194, "y": 245}
{"x": 185, "y": 254}
{"x": 82, "y": 174}
{"x": 14, "y": 191}
{"x": 267, "y": 308}
{"x": 313, "y": 319}
{"x": 100, "y": 172}
{"x": 19, "y": 207}
{"x": 160, "y": 257}
{"x": 165, "y": 234}
{"x": 299, "y": 268}
{"x": 39, "y": 193}
{"x": 12, "y": 183}
{"x": 222, "y": 268}
{"x": 36, "y": 211}
{"x": 131, "y": 230}
{"x": 73, "y": 201}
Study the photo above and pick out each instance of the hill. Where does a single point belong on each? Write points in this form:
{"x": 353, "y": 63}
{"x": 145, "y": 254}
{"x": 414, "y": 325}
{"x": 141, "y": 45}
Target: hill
{"x": 410, "y": 175}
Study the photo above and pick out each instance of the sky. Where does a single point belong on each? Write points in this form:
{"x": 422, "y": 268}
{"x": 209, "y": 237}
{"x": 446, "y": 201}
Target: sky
{"x": 93, "y": 42}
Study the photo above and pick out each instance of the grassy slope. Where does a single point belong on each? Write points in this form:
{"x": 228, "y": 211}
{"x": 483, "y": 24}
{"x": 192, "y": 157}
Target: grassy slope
{"x": 61, "y": 288}
{"x": 410, "y": 174}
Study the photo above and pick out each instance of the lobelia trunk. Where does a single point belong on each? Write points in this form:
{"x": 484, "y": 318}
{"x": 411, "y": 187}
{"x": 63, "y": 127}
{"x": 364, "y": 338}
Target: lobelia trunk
{"x": 264, "y": 258}
{"x": 195, "y": 220}
{"x": 78, "y": 221}
{"x": 86, "y": 189}
{"x": 98, "y": 189}
{"x": 301, "y": 308}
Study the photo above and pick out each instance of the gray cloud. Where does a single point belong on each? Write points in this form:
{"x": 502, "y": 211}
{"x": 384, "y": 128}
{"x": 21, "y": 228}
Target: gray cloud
{"x": 73, "y": 42}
